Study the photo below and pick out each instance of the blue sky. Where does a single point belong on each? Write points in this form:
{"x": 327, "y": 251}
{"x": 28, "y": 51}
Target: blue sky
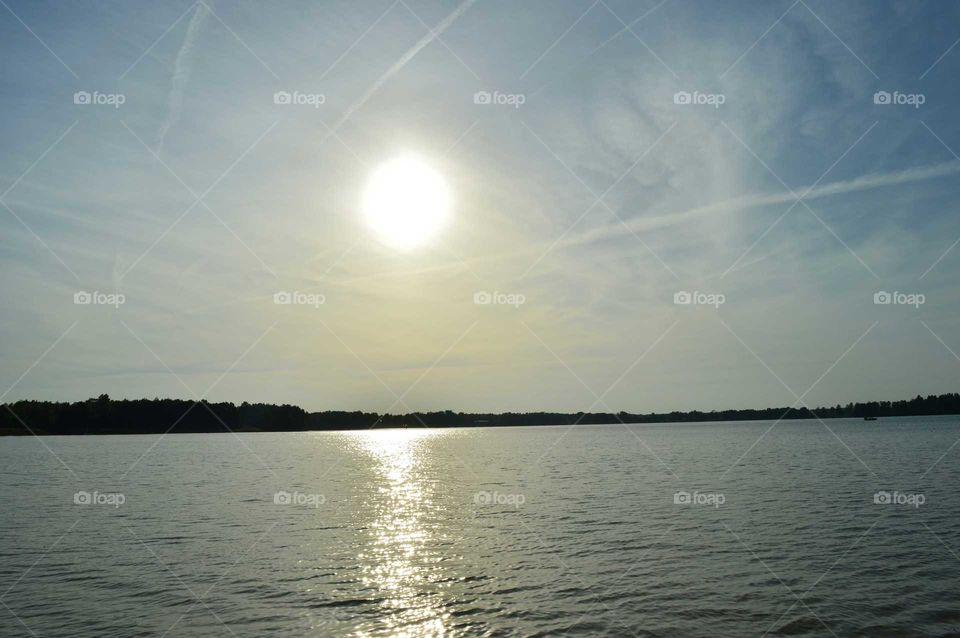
{"x": 597, "y": 199}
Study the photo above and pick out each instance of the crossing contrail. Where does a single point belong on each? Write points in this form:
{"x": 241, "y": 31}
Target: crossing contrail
{"x": 434, "y": 33}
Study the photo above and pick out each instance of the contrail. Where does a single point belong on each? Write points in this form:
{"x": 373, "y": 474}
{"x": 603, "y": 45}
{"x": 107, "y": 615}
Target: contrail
{"x": 181, "y": 73}
{"x": 435, "y": 33}
{"x": 862, "y": 183}
{"x": 640, "y": 224}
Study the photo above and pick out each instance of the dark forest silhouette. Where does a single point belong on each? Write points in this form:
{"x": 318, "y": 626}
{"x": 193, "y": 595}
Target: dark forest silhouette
{"x": 104, "y": 415}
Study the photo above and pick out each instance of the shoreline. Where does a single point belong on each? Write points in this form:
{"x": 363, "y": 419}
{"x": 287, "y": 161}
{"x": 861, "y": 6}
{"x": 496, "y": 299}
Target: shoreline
{"x": 813, "y": 420}
{"x": 103, "y": 415}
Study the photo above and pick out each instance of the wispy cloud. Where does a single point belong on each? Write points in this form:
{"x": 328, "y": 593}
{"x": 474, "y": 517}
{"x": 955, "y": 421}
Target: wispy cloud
{"x": 181, "y": 73}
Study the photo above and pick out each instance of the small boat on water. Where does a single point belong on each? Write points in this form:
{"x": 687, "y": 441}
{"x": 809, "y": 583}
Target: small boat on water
{"x": 869, "y": 418}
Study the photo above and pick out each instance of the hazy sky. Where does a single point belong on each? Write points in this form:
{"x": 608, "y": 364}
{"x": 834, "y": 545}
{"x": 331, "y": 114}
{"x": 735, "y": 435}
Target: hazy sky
{"x": 589, "y": 190}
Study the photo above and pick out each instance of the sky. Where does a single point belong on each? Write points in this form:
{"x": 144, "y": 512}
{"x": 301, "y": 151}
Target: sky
{"x": 778, "y": 164}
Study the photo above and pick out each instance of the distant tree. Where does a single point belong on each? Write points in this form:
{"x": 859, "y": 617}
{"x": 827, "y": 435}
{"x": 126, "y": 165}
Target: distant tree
{"x": 104, "y": 415}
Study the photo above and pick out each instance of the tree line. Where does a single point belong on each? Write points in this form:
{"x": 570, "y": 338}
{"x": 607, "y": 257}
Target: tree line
{"x": 103, "y": 415}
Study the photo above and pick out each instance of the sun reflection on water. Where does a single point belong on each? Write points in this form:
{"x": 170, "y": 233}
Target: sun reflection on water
{"x": 401, "y": 559}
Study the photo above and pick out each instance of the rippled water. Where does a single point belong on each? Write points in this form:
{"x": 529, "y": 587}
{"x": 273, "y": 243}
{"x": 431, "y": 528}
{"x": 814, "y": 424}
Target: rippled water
{"x": 487, "y": 532}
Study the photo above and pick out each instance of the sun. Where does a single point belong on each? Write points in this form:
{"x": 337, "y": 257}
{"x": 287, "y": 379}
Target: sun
{"x": 406, "y": 202}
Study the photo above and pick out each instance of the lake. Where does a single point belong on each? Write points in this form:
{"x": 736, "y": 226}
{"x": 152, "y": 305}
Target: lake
{"x": 723, "y": 529}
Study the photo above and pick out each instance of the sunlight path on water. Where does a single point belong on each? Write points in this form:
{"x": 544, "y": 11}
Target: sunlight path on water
{"x": 400, "y": 559}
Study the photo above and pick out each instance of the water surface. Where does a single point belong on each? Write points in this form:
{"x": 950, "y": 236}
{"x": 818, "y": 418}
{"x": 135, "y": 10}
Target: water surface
{"x": 487, "y": 532}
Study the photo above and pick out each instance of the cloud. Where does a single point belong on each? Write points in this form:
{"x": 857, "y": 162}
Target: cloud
{"x": 181, "y": 73}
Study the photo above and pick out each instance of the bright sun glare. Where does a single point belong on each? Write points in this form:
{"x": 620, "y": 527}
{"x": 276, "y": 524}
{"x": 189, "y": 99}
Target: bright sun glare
{"x": 405, "y": 202}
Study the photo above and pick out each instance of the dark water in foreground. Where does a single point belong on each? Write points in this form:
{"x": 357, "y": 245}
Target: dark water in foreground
{"x": 500, "y": 532}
